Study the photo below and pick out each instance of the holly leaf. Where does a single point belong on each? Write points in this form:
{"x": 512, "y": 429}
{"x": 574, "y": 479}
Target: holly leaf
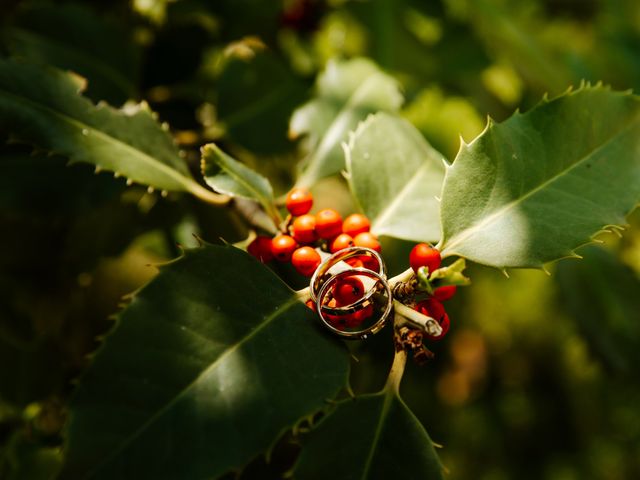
{"x": 347, "y": 91}
{"x": 378, "y": 438}
{"x": 601, "y": 295}
{"x": 44, "y": 106}
{"x": 533, "y": 188}
{"x": 209, "y": 363}
{"x": 228, "y": 176}
{"x": 395, "y": 176}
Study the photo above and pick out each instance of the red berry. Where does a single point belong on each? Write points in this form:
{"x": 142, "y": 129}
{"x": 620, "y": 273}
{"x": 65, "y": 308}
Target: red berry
{"x": 356, "y": 318}
{"x": 445, "y": 328}
{"x": 299, "y": 201}
{"x": 282, "y": 246}
{"x": 260, "y": 248}
{"x": 328, "y": 223}
{"x": 423, "y": 255}
{"x": 434, "y": 309}
{"x": 368, "y": 240}
{"x": 444, "y": 293}
{"x": 348, "y": 290}
{"x": 303, "y": 229}
{"x": 340, "y": 242}
{"x": 431, "y": 308}
{"x": 356, "y": 223}
{"x": 305, "y": 260}
{"x": 364, "y": 261}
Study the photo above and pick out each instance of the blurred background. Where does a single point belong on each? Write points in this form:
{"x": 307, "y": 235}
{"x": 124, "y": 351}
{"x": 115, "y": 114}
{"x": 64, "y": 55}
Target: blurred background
{"x": 538, "y": 377}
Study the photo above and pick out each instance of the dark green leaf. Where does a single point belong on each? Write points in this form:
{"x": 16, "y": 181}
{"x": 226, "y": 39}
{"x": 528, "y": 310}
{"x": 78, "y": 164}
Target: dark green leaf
{"x": 366, "y": 438}
{"x": 73, "y": 37}
{"x": 43, "y": 106}
{"x": 601, "y": 294}
{"x": 207, "y": 366}
{"x": 396, "y": 176}
{"x": 347, "y": 92}
{"x": 533, "y": 188}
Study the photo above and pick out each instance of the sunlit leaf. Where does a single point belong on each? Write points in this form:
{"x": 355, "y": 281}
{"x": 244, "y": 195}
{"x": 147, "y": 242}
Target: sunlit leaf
{"x": 369, "y": 437}
{"x": 347, "y": 92}
{"x": 44, "y": 106}
{"x": 206, "y": 367}
{"x": 396, "y": 176}
{"x": 226, "y": 175}
{"x": 535, "y": 187}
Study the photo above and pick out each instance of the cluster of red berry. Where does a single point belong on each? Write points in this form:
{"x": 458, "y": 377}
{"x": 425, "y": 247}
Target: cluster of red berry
{"x": 303, "y": 231}
{"x": 423, "y": 255}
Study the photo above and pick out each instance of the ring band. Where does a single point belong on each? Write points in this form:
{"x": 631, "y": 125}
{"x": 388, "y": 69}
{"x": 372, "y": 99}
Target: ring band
{"x": 346, "y": 310}
{"x": 318, "y": 278}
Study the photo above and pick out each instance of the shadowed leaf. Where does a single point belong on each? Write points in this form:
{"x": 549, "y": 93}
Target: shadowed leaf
{"x": 206, "y": 367}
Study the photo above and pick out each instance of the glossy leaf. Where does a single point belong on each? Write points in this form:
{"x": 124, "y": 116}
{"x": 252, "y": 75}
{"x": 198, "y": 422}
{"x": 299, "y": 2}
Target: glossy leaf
{"x": 347, "y": 92}
{"x": 366, "y": 438}
{"x": 206, "y": 367}
{"x": 73, "y": 37}
{"x": 395, "y": 176}
{"x": 44, "y": 106}
{"x": 533, "y": 188}
{"x": 601, "y": 295}
{"x": 228, "y": 176}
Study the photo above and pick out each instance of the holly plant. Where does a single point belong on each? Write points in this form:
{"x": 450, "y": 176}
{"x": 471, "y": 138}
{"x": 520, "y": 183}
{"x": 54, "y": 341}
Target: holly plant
{"x": 238, "y": 346}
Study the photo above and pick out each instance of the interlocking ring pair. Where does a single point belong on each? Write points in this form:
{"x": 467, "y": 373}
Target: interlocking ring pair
{"x": 331, "y": 271}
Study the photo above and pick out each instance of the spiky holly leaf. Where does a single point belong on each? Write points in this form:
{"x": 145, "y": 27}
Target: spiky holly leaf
{"x": 395, "y": 176}
{"x": 44, "y": 106}
{"x": 206, "y": 367}
{"x": 347, "y": 91}
{"x": 369, "y": 437}
{"x": 533, "y": 188}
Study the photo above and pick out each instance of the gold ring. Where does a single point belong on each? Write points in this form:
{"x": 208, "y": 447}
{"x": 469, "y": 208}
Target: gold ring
{"x": 357, "y": 305}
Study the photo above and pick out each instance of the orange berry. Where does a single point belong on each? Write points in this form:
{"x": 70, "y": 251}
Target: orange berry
{"x": 364, "y": 261}
{"x": 304, "y": 229}
{"x": 282, "y": 246}
{"x": 305, "y": 260}
{"x": 356, "y": 223}
{"x": 340, "y": 242}
{"x": 368, "y": 240}
{"x": 444, "y": 293}
{"x": 328, "y": 223}
{"x": 299, "y": 201}
{"x": 260, "y": 248}
{"x": 348, "y": 290}
{"x": 311, "y": 304}
{"x": 423, "y": 255}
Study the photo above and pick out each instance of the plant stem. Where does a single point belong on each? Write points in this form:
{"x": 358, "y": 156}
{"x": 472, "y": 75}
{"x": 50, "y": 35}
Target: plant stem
{"x": 396, "y": 372}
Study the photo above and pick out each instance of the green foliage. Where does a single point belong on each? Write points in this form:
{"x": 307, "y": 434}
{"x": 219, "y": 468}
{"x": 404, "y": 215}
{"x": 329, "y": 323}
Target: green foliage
{"x": 391, "y": 442}
{"x": 43, "y": 106}
{"x": 600, "y": 294}
{"x": 208, "y": 364}
{"x": 532, "y": 189}
{"x": 228, "y": 176}
{"x": 395, "y": 176}
{"x": 74, "y": 37}
{"x": 347, "y": 92}
{"x": 215, "y": 369}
